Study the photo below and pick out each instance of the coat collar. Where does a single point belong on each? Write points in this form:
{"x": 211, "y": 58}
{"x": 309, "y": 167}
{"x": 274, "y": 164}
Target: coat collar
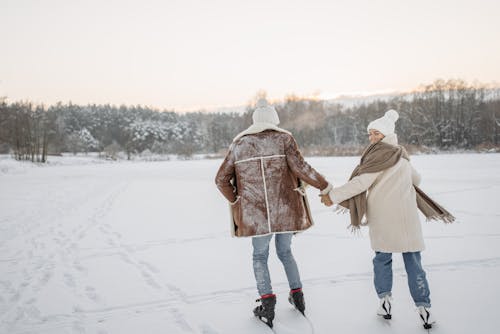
{"x": 257, "y": 128}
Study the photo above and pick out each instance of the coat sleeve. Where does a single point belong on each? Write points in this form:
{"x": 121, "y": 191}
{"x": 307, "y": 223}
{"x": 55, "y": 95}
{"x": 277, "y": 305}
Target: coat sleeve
{"x": 224, "y": 176}
{"x": 415, "y": 176}
{"x": 355, "y": 186}
{"x": 300, "y": 168}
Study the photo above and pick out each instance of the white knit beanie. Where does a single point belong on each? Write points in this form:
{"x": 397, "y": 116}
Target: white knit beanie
{"x": 386, "y": 123}
{"x": 265, "y": 113}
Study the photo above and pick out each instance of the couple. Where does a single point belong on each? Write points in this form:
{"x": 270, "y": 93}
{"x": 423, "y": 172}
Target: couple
{"x": 264, "y": 175}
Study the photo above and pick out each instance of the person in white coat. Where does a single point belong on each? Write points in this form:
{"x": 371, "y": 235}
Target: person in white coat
{"x": 382, "y": 190}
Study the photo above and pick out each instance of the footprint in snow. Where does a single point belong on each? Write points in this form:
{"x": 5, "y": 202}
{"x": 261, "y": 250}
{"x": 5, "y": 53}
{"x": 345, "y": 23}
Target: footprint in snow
{"x": 69, "y": 280}
{"x": 91, "y": 293}
{"x": 207, "y": 329}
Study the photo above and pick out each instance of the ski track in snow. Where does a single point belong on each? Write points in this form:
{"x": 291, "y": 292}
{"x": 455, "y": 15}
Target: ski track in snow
{"x": 38, "y": 271}
{"x": 171, "y": 305}
{"x": 36, "y": 274}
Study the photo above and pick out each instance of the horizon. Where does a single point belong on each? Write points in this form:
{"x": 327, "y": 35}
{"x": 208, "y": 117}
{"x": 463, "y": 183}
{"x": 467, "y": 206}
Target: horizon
{"x": 241, "y": 107}
{"x": 192, "y": 55}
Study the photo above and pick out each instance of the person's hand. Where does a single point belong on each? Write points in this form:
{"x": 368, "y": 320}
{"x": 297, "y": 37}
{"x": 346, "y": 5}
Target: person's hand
{"x": 326, "y": 200}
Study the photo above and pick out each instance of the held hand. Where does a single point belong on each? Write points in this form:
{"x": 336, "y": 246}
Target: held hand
{"x": 326, "y": 200}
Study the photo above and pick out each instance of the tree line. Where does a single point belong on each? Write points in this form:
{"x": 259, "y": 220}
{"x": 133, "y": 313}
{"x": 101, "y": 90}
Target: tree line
{"x": 445, "y": 115}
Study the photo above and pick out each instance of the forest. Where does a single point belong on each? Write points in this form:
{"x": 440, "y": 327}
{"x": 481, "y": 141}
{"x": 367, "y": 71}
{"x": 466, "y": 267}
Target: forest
{"x": 444, "y": 115}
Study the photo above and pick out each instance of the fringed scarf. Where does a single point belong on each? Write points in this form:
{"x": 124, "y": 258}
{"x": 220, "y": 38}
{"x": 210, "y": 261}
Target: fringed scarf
{"x": 378, "y": 157}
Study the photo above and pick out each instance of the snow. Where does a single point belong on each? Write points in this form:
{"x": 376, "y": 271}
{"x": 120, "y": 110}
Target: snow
{"x": 88, "y": 246}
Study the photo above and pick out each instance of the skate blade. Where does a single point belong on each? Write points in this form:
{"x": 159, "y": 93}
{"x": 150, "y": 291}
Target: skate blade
{"x": 385, "y": 316}
{"x": 266, "y": 321}
{"x": 429, "y": 325}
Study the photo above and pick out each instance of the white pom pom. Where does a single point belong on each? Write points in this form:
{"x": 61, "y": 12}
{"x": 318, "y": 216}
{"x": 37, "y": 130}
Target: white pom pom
{"x": 262, "y": 103}
{"x": 392, "y": 115}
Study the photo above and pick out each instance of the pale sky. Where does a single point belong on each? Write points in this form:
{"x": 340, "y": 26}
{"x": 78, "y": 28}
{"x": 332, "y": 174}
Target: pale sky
{"x": 189, "y": 54}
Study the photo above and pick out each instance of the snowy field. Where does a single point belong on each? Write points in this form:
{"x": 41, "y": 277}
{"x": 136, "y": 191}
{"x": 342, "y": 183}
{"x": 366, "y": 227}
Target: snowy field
{"x": 144, "y": 247}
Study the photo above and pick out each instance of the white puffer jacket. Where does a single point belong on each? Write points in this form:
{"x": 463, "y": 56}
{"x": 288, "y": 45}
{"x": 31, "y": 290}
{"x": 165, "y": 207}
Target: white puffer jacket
{"x": 392, "y": 212}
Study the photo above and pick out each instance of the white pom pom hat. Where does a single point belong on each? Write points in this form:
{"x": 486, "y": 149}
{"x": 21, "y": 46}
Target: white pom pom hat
{"x": 385, "y": 124}
{"x": 265, "y": 113}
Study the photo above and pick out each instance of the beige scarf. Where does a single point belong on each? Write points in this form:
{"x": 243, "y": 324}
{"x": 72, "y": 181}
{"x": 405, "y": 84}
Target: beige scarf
{"x": 378, "y": 157}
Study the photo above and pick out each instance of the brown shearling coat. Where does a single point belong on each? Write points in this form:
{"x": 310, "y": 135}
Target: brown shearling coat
{"x": 261, "y": 175}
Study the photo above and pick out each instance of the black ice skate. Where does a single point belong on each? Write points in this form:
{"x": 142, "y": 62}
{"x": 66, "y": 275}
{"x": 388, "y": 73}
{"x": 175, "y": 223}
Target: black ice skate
{"x": 265, "y": 311}
{"x": 296, "y": 298}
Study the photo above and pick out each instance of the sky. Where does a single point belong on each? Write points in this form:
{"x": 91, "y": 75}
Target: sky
{"x": 187, "y": 55}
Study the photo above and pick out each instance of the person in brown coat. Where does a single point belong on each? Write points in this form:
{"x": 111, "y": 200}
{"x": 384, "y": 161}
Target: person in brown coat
{"x": 263, "y": 177}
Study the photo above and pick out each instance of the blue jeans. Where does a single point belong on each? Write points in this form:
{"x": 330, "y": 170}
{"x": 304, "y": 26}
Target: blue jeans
{"x": 261, "y": 254}
{"x": 417, "y": 282}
